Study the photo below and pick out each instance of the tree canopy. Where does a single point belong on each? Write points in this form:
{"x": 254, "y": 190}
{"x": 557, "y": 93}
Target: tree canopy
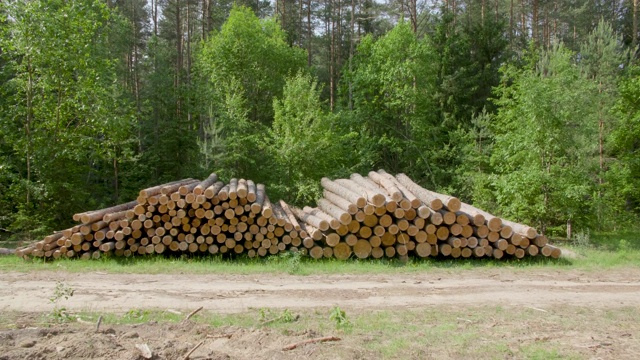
{"x": 529, "y": 109}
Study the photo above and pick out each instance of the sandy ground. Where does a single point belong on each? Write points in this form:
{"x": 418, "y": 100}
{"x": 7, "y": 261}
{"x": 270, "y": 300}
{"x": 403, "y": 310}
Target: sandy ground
{"x": 30, "y": 292}
{"x": 582, "y": 313}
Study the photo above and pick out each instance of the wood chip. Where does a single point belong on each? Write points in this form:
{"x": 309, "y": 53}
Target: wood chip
{"x": 145, "y": 352}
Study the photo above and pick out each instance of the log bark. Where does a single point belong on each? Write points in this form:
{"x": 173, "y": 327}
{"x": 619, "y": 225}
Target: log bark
{"x": 251, "y": 191}
{"x": 256, "y": 206}
{"x": 95, "y": 215}
{"x": 107, "y": 218}
{"x": 169, "y": 189}
{"x": 450, "y": 202}
{"x": 155, "y": 190}
{"x": 373, "y": 197}
{"x": 389, "y": 186}
{"x": 242, "y": 190}
{"x": 340, "y": 202}
{"x": 343, "y": 216}
{"x": 521, "y": 229}
{"x": 233, "y": 189}
{"x": 267, "y": 210}
{"x": 186, "y": 189}
{"x": 290, "y": 215}
{"x": 344, "y": 192}
{"x": 334, "y": 223}
{"x": 212, "y": 190}
{"x": 425, "y": 196}
{"x": 407, "y": 194}
{"x": 494, "y": 223}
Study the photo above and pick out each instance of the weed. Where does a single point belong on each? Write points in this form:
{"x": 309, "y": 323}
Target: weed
{"x": 135, "y": 315}
{"x": 582, "y": 239}
{"x": 287, "y": 316}
{"x": 61, "y": 291}
{"x": 268, "y": 316}
{"x": 340, "y": 318}
{"x": 291, "y": 260}
{"x": 624, "y": 245}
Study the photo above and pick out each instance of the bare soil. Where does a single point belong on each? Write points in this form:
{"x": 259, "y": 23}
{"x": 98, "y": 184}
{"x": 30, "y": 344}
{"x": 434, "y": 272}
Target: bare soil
{"x": 599, "y": 297}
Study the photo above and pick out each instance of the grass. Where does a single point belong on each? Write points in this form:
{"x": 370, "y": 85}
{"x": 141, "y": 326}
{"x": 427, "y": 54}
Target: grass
{"x": 483, "y": 332}
{"x": 599, "y": 251}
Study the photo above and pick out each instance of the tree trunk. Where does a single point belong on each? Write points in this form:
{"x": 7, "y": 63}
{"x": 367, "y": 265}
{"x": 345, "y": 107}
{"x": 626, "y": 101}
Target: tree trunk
{"x": 523, "y": 21}
{"x": 28, "y": 127}
{"x": 634, "y": 36}
{"x": 511, "y": 24}
{"x": 534, "y": 22}
{"x": 332, "y": 55}
{"x": 309, "y": 33}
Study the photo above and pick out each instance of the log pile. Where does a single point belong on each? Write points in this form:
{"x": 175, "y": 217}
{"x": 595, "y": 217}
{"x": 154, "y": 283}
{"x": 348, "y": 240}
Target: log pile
{"x": 186, "y": 216}
{"x": 385, "y": 216}
{"x": 363, "y": 217}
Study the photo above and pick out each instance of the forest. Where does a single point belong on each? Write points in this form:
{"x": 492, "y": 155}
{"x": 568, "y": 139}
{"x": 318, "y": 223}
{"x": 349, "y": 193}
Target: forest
{"x": 529, "y": 109}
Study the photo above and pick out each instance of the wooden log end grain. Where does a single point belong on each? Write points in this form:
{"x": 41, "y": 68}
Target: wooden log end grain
{"x": 362, "y": 249}
{"x": 342, "y": 251}
{"x": 423, "y": 250}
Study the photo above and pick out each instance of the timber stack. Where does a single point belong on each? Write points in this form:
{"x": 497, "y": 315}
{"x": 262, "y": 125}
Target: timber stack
{"x": 371, "y": 216}
{"x": 385, "y": 216}
{"x": 186, "y": 216}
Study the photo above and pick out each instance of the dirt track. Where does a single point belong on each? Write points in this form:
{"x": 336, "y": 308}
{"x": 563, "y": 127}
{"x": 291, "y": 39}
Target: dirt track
{"x": 549, "y": 313}
{"x": 28, "y": 292}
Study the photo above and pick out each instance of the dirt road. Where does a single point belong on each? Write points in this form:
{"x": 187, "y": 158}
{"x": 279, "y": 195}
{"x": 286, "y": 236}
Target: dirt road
{"x": 440, "y": 314}
{"x": 28, "y": 292}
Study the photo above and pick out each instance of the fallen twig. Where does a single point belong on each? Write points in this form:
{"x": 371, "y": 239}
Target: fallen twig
{"x": 535, "y": 308}
{"x": 186, "y": 357}
{"x": 310, "y": 341}
{"x": 193, "y": 313}
{"x": 295, "y": 318}
{"x": 221, "y": 336}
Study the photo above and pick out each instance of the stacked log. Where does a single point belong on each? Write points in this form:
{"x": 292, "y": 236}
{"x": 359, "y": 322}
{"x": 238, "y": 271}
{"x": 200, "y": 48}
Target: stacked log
{"x": 373, "y": 216}
{"x": 385, "y": 216}
{"x": 185, "y": 216}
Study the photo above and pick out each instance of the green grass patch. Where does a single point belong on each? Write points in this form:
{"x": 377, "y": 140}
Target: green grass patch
{"x": 447, "y": 331}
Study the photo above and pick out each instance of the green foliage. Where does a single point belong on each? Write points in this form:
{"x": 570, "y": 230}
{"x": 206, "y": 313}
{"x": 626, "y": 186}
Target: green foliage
{"x": 389, "y": 90}
{"x": 65, "y": 120}
{"x": 339, "y": 317}
{"x": 241, "y": 69}
{"x": 269, "y": 316}
{"x": 624, "y": 172}
{"x": 304, "y": 145}
{"x": 61, "y": 291}
{"x": 292, "y": 261}
{"x": 582, "y": 238}
{"x": 254, "y": 53}
{"x": 603, "y": 60}
{"x": 542, "y": 133}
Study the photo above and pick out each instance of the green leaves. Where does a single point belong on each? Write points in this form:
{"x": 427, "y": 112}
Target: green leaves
{"x": 65, "y": 111}
{"x": 304, "y": 146}
{"x": 542, "y": 133}
{"x": 242, "y": 68}
{"x": 389, "y": 89}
